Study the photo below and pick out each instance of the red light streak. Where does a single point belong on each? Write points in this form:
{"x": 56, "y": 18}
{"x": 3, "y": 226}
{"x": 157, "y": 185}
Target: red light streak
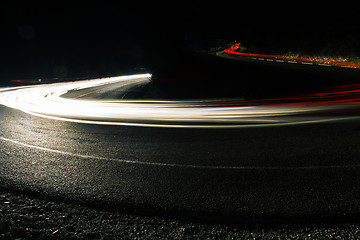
{"x": 25, "y": 81}
{"x": 336, "y": 95}
{"x": 339, "y": 95}
{"x": 345, "y": 63}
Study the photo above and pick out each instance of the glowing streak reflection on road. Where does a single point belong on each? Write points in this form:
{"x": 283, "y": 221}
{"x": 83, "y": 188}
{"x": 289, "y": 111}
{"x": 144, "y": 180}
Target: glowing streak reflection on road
{"x": 336, "y": 103}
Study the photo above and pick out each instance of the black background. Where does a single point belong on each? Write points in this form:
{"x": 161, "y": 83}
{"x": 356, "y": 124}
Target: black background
{"x": 98, "y": 40}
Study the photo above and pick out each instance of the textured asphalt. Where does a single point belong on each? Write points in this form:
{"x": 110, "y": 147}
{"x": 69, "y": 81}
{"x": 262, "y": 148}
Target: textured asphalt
{"x": 299, "y": 173}
{"x": 26, "y": 216}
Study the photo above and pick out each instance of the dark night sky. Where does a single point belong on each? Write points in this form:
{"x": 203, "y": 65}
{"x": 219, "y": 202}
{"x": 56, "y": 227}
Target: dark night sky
{"x": 63, "y": 41}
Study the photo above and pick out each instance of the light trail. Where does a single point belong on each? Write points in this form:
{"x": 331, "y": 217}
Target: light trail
{"x": 293, "y": 59}
{"x": 334, "y": 103}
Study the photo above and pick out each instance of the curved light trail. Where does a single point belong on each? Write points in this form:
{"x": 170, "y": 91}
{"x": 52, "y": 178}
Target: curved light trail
{"x": 335, "y": 103}
{"x": 234, "y": 50}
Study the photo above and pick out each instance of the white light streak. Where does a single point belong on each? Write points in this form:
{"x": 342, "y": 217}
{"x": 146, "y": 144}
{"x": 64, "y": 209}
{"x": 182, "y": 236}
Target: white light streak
{"x": 47, "y": 101}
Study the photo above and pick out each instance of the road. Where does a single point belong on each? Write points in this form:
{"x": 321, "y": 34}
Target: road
{"x": 288, "y": 159}
{"x": 237, "y": 50}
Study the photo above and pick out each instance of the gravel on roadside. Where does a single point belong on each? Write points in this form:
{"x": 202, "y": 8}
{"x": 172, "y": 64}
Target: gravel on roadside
{"x": 28, "y": 216}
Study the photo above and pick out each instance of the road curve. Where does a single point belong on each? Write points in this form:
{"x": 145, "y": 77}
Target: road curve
{"x": 328, "y": 62}
{"x": 287, "y": 171}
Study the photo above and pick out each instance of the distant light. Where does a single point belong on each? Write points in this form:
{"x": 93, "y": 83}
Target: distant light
{"x": 322, "y": 61}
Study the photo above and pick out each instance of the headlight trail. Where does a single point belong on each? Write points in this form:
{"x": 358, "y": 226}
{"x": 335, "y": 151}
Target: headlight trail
{"x": 335, "y": 103}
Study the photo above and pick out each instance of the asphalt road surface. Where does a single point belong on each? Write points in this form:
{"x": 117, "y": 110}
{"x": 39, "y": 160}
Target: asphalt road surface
{"x": 274, "y": 173}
